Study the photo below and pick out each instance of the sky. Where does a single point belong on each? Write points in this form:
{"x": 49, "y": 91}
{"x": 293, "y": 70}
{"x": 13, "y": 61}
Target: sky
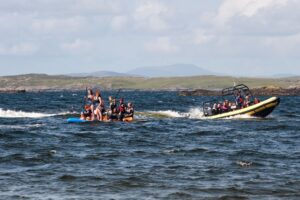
{"x": 237, "y": 37}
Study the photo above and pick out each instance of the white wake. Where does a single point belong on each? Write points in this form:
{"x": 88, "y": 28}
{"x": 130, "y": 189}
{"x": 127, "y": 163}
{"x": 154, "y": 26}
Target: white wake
{"x": 193, "y": 113}
{"x": 22, "y": 114}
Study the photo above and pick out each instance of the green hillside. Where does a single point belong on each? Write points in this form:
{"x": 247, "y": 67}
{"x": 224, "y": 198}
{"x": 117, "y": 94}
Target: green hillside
{"x": 42, "y": 82}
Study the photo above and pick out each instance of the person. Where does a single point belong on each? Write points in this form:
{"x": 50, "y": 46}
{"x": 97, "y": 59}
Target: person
{"x": 233, "y": 106}
{"x": 256, "y": 101}
{"x": 98, "y": 104}
{"x": 214, "y": 109}
{"x": 86, "y": 114}
{"x": 112, "y": 111}
{"x": 219, "y": 108}
{"x": 129, "y": 111}
{"x": 247, "y": 101}
{"x": 90, "y": 102}
{"x": 225, "y": 107}
{"x": 121, "y": 109}
{"x": 239, "y": 100}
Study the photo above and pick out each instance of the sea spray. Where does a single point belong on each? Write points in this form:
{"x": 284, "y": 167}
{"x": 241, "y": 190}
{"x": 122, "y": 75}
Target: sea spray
{"x": 22, "y": 114}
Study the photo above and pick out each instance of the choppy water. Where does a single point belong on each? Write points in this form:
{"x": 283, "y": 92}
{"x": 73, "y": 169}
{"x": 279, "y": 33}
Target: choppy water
{"x": 170, "y": 152}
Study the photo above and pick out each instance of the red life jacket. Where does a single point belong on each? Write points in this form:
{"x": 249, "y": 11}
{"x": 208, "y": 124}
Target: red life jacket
{"x": 121, "y": 109}
{"x": 241, "y": 100}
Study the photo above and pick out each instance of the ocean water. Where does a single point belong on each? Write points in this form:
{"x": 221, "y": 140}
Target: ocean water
{"x": 169, "y": 152}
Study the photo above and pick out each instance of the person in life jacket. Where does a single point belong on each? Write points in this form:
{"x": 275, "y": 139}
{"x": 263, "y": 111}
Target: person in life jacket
{"x": 86, "y": 114}
{"x": 121, "y": 109}
{"x": 129, "y": 111}
{"x": 256, "y": 101}
{"x": 112, "y": 110}
{"x": 239, "y": 101}
{"x": 98, "y": 103}
{"x": 225, "y": 106}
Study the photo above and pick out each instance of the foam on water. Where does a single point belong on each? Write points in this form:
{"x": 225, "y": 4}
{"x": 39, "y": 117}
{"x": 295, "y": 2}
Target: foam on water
{"x": 244, "y": 116}
{"x": 193, "y": 113}
{"x": 22, "y": 114}
{"x": 169, "y": 113}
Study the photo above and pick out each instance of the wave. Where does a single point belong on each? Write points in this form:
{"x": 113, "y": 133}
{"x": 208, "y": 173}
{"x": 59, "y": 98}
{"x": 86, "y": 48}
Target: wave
{"x": 244, "y": 116}
{"x": 193, "y": 113}
{"x": 22, "y": 114}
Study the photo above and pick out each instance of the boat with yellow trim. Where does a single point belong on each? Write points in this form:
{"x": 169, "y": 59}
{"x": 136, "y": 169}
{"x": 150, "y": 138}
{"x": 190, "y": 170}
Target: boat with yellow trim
{"x": 254, "y": 108}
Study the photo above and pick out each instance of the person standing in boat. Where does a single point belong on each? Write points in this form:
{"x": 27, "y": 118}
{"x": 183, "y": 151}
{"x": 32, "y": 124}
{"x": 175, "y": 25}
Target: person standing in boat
{"x": 90, "y": 102}
{"x": 239, "y": 100}
{"x": 98, "y": 105}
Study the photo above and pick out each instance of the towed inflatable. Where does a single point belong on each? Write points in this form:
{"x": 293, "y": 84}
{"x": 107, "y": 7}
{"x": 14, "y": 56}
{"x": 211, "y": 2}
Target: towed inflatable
{"x": 258, "y": 109}
{"x": 105, "y": 119}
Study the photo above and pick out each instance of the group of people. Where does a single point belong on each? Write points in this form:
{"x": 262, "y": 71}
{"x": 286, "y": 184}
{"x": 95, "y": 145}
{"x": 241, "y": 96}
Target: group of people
{"x": 240, "y": 102}
{"x": 94, "y": 108}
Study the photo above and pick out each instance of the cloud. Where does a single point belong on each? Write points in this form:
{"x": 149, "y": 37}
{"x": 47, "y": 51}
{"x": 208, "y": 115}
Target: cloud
{"x": 152, "y": 16}
{"x": 119, "y": 22}
{"x": 77, "y": 46}
{"x": 161, "y": 45}
{"x": 18, "y": 49}
{"x": 58, "y": 24}
{"x": 247, "y": 8}
{"x": 202, "y": 38}
{"x": 97, "y": 6}
{"x": 284, "y": 45}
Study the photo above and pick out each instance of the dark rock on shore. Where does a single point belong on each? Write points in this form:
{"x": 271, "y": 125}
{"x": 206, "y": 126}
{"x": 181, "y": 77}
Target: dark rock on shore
{"x": 12, "y": 91}
{"x": 199, "y": 92}
{"x": 264, "y": 91}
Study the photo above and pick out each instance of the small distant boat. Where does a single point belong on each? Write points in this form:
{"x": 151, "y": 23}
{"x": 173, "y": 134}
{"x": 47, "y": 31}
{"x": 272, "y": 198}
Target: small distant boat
{"x": 258, "y": 109}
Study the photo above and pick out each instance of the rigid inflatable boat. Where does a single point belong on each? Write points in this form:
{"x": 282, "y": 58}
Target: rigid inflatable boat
{"x": 254, "y": 108}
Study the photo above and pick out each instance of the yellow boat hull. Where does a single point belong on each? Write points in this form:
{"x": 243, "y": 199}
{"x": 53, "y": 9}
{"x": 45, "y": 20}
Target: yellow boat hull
{"x": 261, "y": 109}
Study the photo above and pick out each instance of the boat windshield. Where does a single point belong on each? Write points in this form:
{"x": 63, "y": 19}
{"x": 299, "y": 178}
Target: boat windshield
{"x": 233, "y": 91}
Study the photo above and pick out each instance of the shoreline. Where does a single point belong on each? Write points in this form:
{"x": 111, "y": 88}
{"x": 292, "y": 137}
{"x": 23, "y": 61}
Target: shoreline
{"x": 262, "y": 91}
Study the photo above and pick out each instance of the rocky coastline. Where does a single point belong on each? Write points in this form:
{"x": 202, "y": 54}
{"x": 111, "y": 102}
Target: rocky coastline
{"x": 263, "y": 91}
{"x": 12, "y": 91}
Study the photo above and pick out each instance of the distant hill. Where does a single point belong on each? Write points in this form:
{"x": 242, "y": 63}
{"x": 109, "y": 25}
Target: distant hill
{"x": 37, "y": 82}
{"x": 284, "y": 75}
{"x": 101, "y": 74}
{"x": 177, "y": 70}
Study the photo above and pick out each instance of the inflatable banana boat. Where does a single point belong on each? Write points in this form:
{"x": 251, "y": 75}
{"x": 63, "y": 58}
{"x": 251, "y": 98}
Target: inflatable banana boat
{"x": 104, "y": 119}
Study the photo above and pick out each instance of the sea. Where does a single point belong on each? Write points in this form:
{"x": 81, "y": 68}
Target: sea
{"x": 170, "y": 151}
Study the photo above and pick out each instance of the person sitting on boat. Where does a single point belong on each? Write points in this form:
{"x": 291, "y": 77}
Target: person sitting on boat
{"x": 232, "y": 106}
{"x": 112, "y": 112}
{"x": 98, "y": 104}
{"x": 247, "y": 101}
{"x": 86, "y": 114}
{"x": 121, "y": 109}
{"x": 219, "y": 108}
{"x": 239, "y": 100}
{"x": 129, "y": 111}
{"x": 214, "y": 109}
{"x": 225, "y": 106}
{"x": 256, "y": 101}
